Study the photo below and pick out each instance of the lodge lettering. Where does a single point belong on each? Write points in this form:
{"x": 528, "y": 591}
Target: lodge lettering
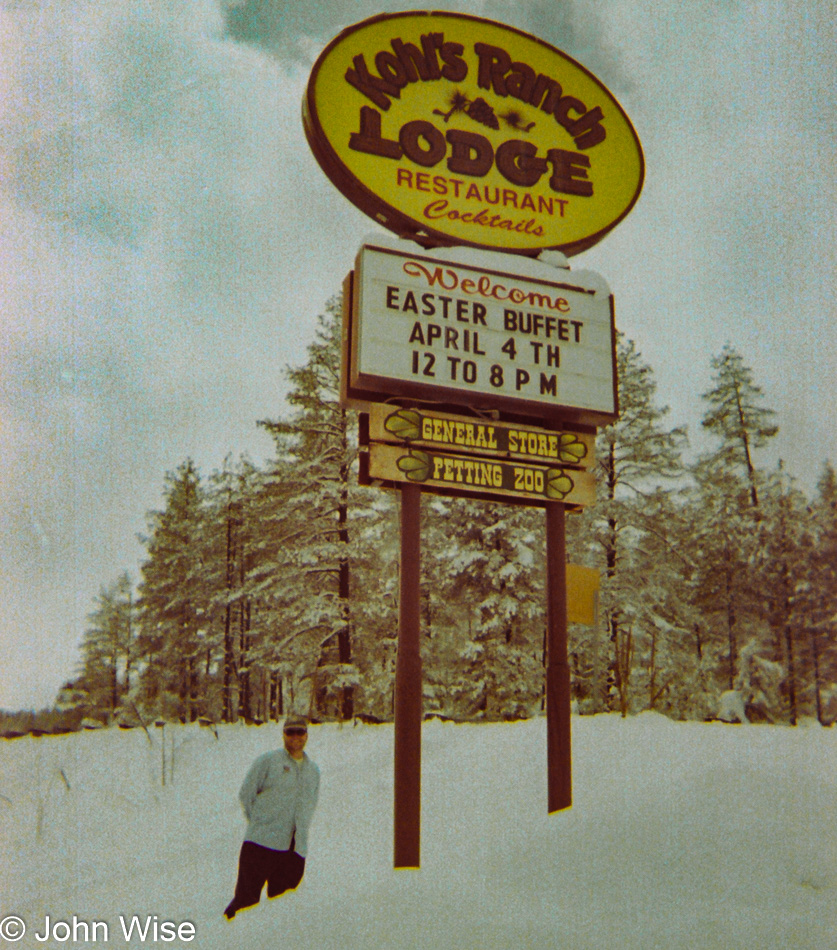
{"x": 473, "y": 154}
{"x": 467, "y": 152}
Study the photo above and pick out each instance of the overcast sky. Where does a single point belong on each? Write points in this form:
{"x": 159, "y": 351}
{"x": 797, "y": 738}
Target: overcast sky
{"x": 167, "y": 240}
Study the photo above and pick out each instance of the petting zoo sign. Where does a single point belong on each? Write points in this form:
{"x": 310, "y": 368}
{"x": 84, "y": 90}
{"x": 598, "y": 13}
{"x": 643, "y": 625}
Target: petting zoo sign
{"x": 458, "y": 130}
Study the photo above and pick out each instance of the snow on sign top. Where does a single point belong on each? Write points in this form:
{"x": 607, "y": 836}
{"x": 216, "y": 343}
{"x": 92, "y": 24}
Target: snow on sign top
{"x": 459, "y": 130}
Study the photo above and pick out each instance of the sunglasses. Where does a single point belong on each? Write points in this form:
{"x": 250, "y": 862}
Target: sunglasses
{"x": 294, "y": 731}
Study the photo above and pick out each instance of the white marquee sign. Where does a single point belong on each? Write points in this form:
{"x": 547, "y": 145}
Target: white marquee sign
{"x": 436, "y": 329}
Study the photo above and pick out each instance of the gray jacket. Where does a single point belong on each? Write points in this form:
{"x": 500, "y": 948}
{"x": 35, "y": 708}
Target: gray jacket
{"x": 279, "y": 796}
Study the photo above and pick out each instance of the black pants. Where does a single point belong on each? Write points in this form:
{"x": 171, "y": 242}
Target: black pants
{"x": 280, "y": 870}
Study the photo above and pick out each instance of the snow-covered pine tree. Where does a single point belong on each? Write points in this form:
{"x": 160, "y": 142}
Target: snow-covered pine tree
{"x": 676, "y": 672}
{"x": 175, "y": 600}
{"x": 636, "y": 457}
{"x": 781, "y": 566}
{"x": 293, "y": 606}
{"x": 758, "y": 683}
{"x": 374, "y": 551}
{"x": 318, "y": 442}
{"x": 736, "y": 416}
{"x": 107, "y": 650}
{"x": 722, "y": 548}
{"x": 233, "y": 541}
{"x": 726, "y": 509}
{"x": 484, "y": 604}
{"x": 818, "y": 604}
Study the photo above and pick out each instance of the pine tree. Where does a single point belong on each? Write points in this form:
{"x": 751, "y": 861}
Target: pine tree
{"x": 780, "y": 568}
{"x": 319, "y": 443}
{"x": 484, "y": 607}
{"x": 736, "y": 416}
{"x": 174, "y": 600}
{"x": 723, "y": 547}
{"x": 818, "y": 603}
{"x": 635, "y": 457}
{"x": 672, "y": 658}
{"x": 374, "y": 552}
{"x": 107, "y": 649}
{"x": 234, "y": 534}
{"x": 726, "y": 508}
{"x": 293, "y": 580}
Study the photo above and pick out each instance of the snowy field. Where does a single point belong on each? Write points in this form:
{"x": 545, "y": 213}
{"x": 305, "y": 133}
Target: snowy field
{"x": 682, "y": 835}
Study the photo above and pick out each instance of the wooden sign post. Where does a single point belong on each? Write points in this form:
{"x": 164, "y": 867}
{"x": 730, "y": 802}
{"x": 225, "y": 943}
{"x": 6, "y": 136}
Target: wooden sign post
{"x": 558, "y": 740}
{"x": 408, "y": 688}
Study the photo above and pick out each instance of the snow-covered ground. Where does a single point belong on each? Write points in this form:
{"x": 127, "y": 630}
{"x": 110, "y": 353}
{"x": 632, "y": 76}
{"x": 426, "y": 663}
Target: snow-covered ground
{"x": 682, "y": 835}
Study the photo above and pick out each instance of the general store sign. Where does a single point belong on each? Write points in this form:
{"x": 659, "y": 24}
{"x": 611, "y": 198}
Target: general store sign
{"x": 437, "y": 330}
{"x": 445, "y": 432}
{"x": 464, "y": 131}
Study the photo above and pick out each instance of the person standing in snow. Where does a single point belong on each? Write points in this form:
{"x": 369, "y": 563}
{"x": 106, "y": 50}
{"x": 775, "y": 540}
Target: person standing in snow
{"x": 279, "y": 796}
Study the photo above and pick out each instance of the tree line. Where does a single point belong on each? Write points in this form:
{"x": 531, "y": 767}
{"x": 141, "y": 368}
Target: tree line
{"x": 272, "y": 587}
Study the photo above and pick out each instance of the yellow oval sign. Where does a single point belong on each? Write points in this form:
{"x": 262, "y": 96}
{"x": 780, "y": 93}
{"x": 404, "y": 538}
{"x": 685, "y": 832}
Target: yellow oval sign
{"x": 459, "y": 130}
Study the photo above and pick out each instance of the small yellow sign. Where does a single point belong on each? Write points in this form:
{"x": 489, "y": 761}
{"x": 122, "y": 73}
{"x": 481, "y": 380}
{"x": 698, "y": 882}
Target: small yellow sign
{"x": 582, "y": 594}
{"x": 467, "y": 131}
